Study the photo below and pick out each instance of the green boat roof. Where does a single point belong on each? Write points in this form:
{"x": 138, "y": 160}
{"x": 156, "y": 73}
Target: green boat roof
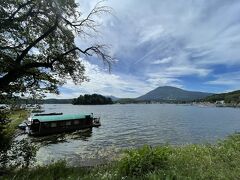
{"x": 63, "y": 117}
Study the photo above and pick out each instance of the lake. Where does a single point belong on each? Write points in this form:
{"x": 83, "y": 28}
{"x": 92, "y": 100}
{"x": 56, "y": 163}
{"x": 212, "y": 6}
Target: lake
{"x": 134, "y": 125}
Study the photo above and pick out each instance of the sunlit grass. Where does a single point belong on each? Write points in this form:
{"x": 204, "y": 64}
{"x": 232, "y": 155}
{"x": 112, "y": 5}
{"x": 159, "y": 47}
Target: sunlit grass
{"x": 15, "y": 117}
{"x": 219, "y": 161}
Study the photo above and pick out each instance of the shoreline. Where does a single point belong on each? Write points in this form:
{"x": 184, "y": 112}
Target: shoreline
{"x": 218, "y": 160}
{"x": 203, "y": 161}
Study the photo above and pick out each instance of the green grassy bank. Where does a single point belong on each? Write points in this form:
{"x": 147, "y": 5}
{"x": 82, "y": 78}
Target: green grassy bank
{"x": 219, "y": 161}
{"x": 8, "y": 129}
{"x": 16, "y": 117}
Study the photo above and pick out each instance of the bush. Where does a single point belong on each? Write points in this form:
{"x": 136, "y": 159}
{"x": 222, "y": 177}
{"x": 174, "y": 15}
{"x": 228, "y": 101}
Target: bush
{"x": 57, "y": 170}
{"x": 4, "y": 137}
{"x": 218, "y": 161}
{"x": 14, "y": 153}
{"x": 144, "y": 160}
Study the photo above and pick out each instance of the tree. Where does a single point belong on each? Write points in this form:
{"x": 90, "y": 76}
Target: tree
{"x": 94, "y": 99}
{"x": 37, "y": 48}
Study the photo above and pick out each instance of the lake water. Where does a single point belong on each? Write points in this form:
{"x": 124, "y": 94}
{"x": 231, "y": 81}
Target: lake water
{"x": 133, "y": 125}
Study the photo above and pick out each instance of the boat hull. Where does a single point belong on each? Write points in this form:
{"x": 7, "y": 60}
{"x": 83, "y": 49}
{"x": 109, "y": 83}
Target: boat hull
{"x": 59, "y": 131}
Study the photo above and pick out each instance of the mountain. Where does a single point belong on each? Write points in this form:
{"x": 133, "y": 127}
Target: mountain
{"x": 169, "y": 93}
{"x": 127, "y": 101}
{"x": 230, "y": 97}
{"x": 113, "y": 98}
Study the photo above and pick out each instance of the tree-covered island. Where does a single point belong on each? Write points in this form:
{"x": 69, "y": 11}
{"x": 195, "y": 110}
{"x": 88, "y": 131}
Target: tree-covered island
{"x": 94, "y": 99}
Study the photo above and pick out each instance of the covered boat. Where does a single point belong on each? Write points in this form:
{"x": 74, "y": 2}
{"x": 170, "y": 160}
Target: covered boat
{"x": 51, "y": 124}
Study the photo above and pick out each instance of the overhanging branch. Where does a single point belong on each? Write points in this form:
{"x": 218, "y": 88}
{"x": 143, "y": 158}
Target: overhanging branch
{"x": 49, "y": 31}
{"x": 19, "y": 8}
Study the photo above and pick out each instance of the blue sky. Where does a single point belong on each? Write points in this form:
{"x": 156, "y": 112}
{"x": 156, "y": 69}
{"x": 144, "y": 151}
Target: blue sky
{"x": 191, "y": 44}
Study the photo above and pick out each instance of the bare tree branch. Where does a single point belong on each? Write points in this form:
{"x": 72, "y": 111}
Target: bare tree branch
{"x": 97, "y": 49}
{"x": 50, "y": 27}
{"x": 88, "y": 22}
{"x": 10, "y": 47}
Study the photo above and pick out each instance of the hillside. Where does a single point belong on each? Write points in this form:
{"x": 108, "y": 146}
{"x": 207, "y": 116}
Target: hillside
{"x": 113, "y": 98}
{"x": 231, "y": 97}
{"x": 168, "y": 93}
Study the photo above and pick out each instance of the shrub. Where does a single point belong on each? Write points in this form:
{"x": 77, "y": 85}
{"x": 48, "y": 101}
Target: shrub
{"x": 144, "y": 160}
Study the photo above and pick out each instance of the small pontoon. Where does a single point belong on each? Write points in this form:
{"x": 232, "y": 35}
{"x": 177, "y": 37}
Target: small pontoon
{"x": 57, "y": 123}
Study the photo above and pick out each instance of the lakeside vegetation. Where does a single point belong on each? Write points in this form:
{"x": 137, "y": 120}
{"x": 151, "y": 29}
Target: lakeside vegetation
{"x": 16, "y": 117}
{"x": 14, "y": 153}
{"x": 219, "y": 161}
{"x": 8, "y": 125}
{"x": 230, "y": 97}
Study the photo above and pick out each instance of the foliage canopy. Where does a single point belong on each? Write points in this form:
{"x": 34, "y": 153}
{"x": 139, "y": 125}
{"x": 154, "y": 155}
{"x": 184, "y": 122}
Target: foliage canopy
{"x": 37, "y": 47}
{"x": 231, "y": 97}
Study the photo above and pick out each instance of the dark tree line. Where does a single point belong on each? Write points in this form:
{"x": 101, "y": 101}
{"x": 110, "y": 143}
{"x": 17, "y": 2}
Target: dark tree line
{"x": 94, "y": 99}
{"x": 231, "y": 97}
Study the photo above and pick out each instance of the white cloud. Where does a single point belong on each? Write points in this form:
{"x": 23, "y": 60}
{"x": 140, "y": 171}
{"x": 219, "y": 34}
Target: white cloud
{"x": 150, "y": 33}
{"x": 162, "y": 61}
{"x": 231, "y": 79}
{"x": 161, "y": 42}
{"x": 172, "y": 28}
{"x": 104, "y": 83}
{"x": 179, "y": 71}
{"x": 164, "y": 81}
{"x": 170, "y": 76}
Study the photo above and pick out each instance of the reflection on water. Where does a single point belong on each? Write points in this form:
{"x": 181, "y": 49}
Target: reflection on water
{"x": 83, "y": 135}
{"x": 127, "y": 126}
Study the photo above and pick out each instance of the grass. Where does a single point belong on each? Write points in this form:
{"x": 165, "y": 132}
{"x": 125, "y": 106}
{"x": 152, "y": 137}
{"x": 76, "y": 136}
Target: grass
{"x": 7, "y": 131}
{"x": 16, "y": 117}
{"x": 219, "y": 161}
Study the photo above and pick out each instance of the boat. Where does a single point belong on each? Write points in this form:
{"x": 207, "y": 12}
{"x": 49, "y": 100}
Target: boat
{"x": 48, "y": 114}
{"x": 53, "y": 123}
